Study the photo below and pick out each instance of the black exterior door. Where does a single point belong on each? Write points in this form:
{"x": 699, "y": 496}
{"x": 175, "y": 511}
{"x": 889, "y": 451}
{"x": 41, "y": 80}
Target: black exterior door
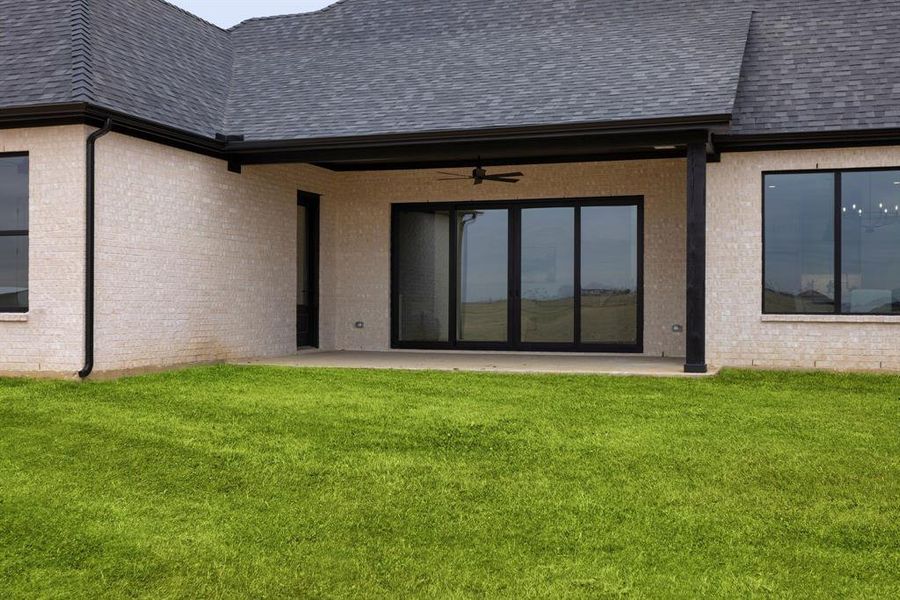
{"x": 307, "y": 270}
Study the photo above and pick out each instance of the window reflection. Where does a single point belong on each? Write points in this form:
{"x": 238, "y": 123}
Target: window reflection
{"x": 609, "y": 274}
{"x": 483, "y": 258}
{"x": 548, "y": 275}
{"x": 870, "y": 242}
{"x": 799, "y": 243}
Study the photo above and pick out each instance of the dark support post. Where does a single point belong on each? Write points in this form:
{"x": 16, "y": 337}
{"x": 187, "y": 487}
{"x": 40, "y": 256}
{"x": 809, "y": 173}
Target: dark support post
{"x": 696, "y": 259}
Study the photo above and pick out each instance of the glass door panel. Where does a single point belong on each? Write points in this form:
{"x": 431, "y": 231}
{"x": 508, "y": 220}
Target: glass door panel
{"x": 609, "y": 275}
{"x": 422, "y": 252}
{"x": 548, "y": 275}
{"x": 483, "y": 275}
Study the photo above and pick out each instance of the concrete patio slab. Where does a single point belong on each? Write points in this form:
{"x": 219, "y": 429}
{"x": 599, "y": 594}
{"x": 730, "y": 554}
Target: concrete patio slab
{"x": 494, "y": 362}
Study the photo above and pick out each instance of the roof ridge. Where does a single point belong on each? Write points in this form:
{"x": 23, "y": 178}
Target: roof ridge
{"x": 82, "y": 57}
{"x": 190, "y": 14}
{"x": 319, "y": 11}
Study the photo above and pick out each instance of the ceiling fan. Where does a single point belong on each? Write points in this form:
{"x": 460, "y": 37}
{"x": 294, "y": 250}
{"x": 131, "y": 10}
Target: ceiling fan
{"x": 479, "y": 176}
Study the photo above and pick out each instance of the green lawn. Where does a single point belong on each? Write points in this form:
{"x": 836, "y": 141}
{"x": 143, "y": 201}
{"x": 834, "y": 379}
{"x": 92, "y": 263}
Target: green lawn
{"x": 260, "y": 482}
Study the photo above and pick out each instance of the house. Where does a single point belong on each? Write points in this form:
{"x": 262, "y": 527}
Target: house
{"x": 717, "y": 180}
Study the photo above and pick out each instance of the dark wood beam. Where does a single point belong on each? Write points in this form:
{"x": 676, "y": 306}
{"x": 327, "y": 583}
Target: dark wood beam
{"x": 696, "y": 259}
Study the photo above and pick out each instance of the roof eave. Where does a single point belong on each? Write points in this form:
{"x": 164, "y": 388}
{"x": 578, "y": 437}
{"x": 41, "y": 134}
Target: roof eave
{"x": 490, "y": 144}
{"x": 562, "y": 140}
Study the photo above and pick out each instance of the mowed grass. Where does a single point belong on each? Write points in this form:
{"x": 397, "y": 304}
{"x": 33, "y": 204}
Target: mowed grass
{"x": 231, "y": 482}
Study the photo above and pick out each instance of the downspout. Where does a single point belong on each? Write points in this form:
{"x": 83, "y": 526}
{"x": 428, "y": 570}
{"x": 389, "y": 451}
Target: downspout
{"x": 89, "y": 253}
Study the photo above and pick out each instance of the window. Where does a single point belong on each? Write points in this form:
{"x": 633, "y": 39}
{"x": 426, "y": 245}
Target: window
{"x": 13, "y": 233}
{"x": 832, "y": 242}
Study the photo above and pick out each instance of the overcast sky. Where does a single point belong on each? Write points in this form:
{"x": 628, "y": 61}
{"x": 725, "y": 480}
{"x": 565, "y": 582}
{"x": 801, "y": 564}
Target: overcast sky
{"x": 226, "y": 13}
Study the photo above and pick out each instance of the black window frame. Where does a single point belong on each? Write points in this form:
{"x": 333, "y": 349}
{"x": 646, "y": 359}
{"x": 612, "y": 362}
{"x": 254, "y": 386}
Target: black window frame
{"x": 838, "y": 241}
{"x": 18, "y": 233}
{"x": 513, "y": 342}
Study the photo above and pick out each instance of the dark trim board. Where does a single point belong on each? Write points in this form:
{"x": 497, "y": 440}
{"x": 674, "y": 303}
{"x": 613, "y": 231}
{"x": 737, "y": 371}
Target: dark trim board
{"x": 510, "y": 160}
{"x": 615, "y": 140}
{"x": 513, "y": 342}
{"x": 78, "y": 113}
{"x": 503, "y": 146}
{"x": 801, "y": 140}
{"x": 600, "y": 141}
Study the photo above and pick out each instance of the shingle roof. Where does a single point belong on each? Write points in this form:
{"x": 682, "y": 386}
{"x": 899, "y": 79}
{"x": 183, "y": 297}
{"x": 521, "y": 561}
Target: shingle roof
{"x": 818, "y": 65}
{"x": 36, "y": 55}
{"x": 400, "y": 66}
{"x": 160, "y": 63}
{"x": 376, "y": 66}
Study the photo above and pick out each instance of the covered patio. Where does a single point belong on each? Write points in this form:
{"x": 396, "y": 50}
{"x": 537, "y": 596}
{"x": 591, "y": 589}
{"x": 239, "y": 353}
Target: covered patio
{"x": 596, "y": 251}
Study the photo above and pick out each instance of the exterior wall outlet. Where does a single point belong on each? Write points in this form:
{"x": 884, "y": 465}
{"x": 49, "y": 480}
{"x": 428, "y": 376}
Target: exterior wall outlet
{"x": 360, "y": 325}
{"x": 678, "y": 328}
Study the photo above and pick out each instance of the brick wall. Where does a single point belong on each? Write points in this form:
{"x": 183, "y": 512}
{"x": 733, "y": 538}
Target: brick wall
{"x": 48, "y": 340}
{"x": 194, "y": 263}
{"x": 737, "y": 332}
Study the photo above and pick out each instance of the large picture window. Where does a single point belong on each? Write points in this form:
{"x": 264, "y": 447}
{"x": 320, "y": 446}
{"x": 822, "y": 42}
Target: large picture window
{"x": 832, "y": 242}
{"x": 13, "y": 233}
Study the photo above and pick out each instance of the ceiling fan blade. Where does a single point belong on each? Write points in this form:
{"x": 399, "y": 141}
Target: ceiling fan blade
{"x": 506, "y": 175}
{"x": 454, "y": 174}
{"x": 453, "y": 178}
{"x": 501, "y": 179}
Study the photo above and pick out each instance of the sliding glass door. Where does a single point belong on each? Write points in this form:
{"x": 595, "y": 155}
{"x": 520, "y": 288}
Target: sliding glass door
{"x": 561, "y": 276}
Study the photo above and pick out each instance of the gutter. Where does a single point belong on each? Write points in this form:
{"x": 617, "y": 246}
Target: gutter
{"x": 232, "y": 148}
{"x": 89, "y": 197}
{"x": 803, "y": 140}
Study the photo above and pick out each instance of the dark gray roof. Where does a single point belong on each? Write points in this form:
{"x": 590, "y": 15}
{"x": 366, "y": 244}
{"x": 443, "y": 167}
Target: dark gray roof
{"x": 36, "y": 54}
{"x": 160, "y": 63}
{"x": 381, "y": 66}
{"x": 365, "y": 67}
{"x": 818, "y": 65}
